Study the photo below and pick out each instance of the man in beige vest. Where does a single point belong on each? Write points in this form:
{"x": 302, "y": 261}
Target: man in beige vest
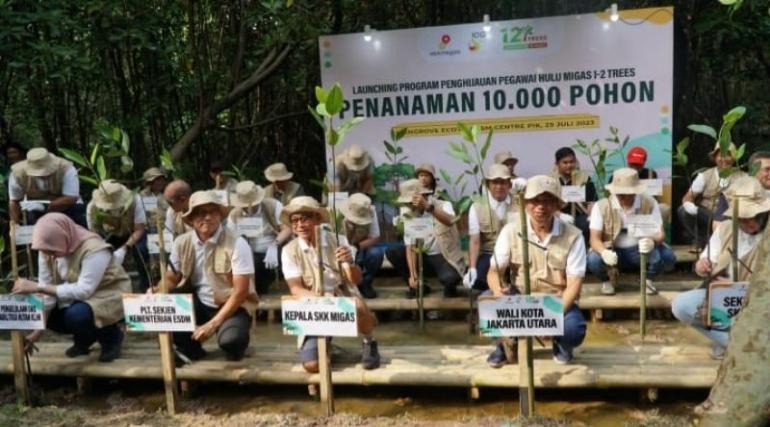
{"x": 700, "y": 201}
{"x": 612, "y": 243}
{"x": 442, "y": 255}
{"x": 281, "y": 187}
{"x": 258, "y": 219}
{"x": 426, "y": 173}
{"x": 115, "y": 213}
{"x": 355, "y": 171}
{"x": 362, "y": 230}
{"x": 567, "y": 171}
{"x": 177, "y": 196}
{"x": 154, "y": 181}
{"x": 557, "y": 259}
{"x": 299, "y": 261}
{"x": 753, "y": 208}
{"x": 485, "y": 220}
{"x": 508, "y": 159}
{"x": 216, "y": 266}
{"x": 48, "y": 178}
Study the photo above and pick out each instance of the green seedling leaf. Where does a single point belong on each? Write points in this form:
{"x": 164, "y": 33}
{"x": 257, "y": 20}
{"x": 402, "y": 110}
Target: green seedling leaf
{"x": 332, "y": 137}
{"x": 487, "y": 144}
{"x": 316, "y": 116}
{"x": 322, "y": 111}
{"x": 320, "y": 95}
{"x": 101, "y": 169}
{"x": 704, "y": 129}
{"x": 334, "y": 100}
{"x": 734, "y": 115}
{"x": 465, "y": 131}
{"x": 74, "y": 157}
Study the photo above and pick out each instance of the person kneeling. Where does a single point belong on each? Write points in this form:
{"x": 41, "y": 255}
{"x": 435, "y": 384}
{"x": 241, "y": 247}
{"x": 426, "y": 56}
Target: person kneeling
{"x": 557, "y": 259}
{"x": 216, "y": 265}
{"x": 78, "y": 269}
{"x": 689, "y": 307}
{"x": 299, "y": 261}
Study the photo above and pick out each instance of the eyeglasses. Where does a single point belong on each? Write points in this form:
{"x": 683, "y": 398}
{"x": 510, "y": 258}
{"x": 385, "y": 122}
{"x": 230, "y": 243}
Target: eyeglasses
{"x": 304, "y": 218}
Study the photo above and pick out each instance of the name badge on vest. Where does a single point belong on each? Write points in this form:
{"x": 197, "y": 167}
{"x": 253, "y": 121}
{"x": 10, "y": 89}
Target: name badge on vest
{"x": 573, "y": 193}
{"x": 250, "y": 227}
{"x": 150, "y": 203}
{"x": 640, "y": 226}
{"x": 418, "y": 228}
{"x": 24, "y": 234}
{"x": 654, "y": 187}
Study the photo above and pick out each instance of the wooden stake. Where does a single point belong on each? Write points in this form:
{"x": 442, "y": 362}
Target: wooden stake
{"x": 20, "y": 373}
{"x": 526, "y": 365}
{"x": 643, "y": 294}
{"x": 734, "y": 243}
{"x": 165, "y": 338}
{"x": 28, "y": 250}
{"x": 417, "y": 248}
{"x": 324, "y": 361}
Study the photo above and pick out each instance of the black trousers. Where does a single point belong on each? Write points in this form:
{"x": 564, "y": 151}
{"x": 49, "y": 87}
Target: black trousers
{"x": 434, "y": 265}
{"x": 232, "y": 335}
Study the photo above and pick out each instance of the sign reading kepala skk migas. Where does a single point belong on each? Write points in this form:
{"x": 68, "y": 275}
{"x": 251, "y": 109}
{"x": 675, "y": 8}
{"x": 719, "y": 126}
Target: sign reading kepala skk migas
{"x": 540, "y": 83}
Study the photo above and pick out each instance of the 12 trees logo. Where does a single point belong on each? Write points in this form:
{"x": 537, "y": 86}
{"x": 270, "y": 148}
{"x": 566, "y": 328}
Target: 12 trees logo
{"x": 523, "y": 37}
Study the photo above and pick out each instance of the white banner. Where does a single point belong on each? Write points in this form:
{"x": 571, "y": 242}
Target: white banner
{"x": 521, "y": 316}
{"x": 540, "y": 83}
{"x": 159, "y": 312}
{"x": 319, "y": 316}
{"x": 21, "y": 312}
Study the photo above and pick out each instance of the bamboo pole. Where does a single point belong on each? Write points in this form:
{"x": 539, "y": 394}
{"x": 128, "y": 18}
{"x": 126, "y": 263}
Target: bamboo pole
{"x": 28, "y": 250}
{"x": 324, "y": 361}
{"x": 20, "y": 372}
{"x": 417, "y": 248}
{"x": 734, "y": 243}
{"x": 526, "y": 364}
{"x": 572, "y": 207}
{"x": 165, "y": 338}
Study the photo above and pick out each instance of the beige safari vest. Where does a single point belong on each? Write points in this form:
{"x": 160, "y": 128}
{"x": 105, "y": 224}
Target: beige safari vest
{"x": 355, "y": 182}
{"x": 122, "y": 225}
{"x": 547, "y": 267}
{"x": 178, "y": 227}
{"x": 750, "y": 259}
{"x": 581, "y": 178}
{"x": 217, "y": 265}
{"x": 448, "y": 239}
{"x": 356, "y": 233}
{"x": 292, "y": 190}
{"x": 611, "y": 217}
{"x": 107, "y": 300}
{"x": 710, "y": 196}
{"x": 55, "y": 180}
{"x": 268, "y": 207}
{"x": 309, "y": 266}
{"x": 490, "y": 225}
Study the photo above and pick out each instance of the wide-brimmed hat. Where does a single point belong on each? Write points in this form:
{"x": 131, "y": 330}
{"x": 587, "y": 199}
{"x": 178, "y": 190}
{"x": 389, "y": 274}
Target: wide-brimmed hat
{"x": 356, "y": 158}
{"x": 504, "y": 156}
{"x": 497, "y": 171}
{"x": 152, "y": 174}
{"x": 409, "y": 188}
{"x": 752, "y": 198}
{"x": 358, "y": 209}
{"x": 200, "y": 198}
{"x": 425, "y": 167}
{"x": 40, "y": 162}
{"x": 111, "y": 195}
{"x": 247, "y": 194}
{"x": 712, "y": 153}
{"x": 303, "y": 204}
{"x": 625, "y": 181}
{"x": 540, "y": 184}
{"x": 277, "y": 172}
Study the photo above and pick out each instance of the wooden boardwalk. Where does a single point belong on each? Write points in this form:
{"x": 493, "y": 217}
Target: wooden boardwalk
{"x": 622, "y": 366}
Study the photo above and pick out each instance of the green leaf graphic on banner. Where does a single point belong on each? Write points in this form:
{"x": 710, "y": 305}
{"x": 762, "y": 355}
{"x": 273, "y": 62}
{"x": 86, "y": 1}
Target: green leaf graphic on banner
{"x": 35, "y": 302}
{"x": 182, "y": 303}
{"x": 553, "y": 304}
{"x": 291, "y": 328}
{"x": 133, "y": 326}
{"x": 490, "y": 332}
{"x": 720, "y": 317}
{"x": 345, "y": 305}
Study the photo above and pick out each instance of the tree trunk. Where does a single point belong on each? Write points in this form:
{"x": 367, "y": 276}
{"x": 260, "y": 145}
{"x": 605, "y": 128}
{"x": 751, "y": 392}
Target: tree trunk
{"x": 741, "y": 394}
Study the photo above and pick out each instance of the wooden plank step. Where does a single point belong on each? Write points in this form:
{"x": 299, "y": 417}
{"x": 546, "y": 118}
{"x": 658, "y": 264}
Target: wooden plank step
{"x": 456, "y": 366}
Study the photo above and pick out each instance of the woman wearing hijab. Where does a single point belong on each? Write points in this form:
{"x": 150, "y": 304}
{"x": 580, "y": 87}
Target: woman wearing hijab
{"x": 77, "y": 269}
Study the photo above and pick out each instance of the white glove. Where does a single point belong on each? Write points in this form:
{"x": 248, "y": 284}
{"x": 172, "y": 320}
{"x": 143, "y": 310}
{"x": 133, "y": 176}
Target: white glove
{"x": 519, "y": 184}
{"x": 646, "y": 245}
{"x": 567, "y": 218}
{"x": 690, "y": 208}
{"x": 29, "y": 206}
{"x": 610, "y": 257}
{"x": 120, "y": 255}
{"x": 470, "y": 278}
{"x": 271, "y": 257}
